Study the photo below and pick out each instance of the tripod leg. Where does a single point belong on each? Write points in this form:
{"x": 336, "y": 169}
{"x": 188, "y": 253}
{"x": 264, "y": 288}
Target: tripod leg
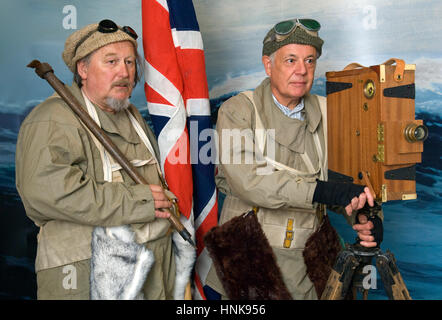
{"x": 391, "y": 277}
{"x": 365, "y": 295}
{"x": 340, "y": 278}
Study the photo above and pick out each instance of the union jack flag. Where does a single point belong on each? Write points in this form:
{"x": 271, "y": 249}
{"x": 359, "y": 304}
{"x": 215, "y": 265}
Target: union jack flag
{"x": 178, "y": 99}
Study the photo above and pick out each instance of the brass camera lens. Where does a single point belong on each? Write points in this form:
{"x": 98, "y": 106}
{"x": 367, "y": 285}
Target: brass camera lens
{"x": 415, "y": 132}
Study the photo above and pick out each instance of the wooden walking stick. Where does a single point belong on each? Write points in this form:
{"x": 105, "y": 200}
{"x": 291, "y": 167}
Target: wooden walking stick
{"x": 45, "y": 71}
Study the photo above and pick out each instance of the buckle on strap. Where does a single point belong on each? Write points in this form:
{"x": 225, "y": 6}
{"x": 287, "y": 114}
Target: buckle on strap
{"x": 289, "y": 234}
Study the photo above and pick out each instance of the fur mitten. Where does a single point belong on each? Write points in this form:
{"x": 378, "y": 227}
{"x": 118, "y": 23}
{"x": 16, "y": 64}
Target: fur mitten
{"x": 119, "y": 266}
{"x": 244, "y": 261}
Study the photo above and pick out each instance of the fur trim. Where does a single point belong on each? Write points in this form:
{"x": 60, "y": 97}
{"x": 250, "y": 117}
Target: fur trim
{"x": 119, "y": 266}
{"x": 185, "y": 256}
{"x": 244, "y": 261}
{"x": 320, "y": 253}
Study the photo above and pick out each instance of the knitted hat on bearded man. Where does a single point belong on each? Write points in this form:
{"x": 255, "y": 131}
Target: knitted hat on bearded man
{"x": 92, "y": 37}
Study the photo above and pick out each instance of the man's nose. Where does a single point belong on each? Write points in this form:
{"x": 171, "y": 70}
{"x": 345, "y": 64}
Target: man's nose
{"x": 300, "y": 67}
{"x": 123, "y": 70}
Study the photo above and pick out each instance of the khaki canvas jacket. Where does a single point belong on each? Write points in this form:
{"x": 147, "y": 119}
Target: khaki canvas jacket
{"x": 59, "y": 176}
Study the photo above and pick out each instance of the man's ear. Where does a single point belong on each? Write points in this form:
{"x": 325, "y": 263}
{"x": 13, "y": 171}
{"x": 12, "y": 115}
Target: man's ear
{"x": 267, "y": 65}
{"x": 82, "y": 69}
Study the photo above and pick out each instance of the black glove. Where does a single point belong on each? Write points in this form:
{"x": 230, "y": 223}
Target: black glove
{"x": 336, "y": 193}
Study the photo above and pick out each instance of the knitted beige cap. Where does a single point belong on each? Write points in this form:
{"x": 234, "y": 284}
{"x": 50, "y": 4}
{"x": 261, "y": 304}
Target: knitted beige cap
{"x": 88, "y": 39}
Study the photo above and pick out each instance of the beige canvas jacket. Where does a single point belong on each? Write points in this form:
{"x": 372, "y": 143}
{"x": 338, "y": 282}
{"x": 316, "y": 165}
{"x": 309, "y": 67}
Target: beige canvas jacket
{"x": 281, "y": 196}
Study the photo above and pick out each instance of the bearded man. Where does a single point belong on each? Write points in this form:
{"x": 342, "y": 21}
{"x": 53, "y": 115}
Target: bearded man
{"x": 70, "y": 186}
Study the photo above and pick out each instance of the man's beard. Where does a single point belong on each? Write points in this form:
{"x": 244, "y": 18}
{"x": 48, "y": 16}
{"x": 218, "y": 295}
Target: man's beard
{"x": 118, "y": 104}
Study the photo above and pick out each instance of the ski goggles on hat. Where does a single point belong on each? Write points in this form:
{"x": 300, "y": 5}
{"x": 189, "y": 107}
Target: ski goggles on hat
{"x": 108, "y": 26}
{"x": 285, "y": 28}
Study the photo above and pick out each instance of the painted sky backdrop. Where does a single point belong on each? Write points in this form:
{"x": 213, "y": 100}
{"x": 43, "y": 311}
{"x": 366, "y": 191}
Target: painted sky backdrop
{"x": 368, "y": 32}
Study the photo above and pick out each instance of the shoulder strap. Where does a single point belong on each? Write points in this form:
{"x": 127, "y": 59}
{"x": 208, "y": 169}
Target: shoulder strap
{"x": 144, "y": 138}
{"x": 259, "y": 127}
{"x": 323, "y": 106}
{"x": 105, "y": 158}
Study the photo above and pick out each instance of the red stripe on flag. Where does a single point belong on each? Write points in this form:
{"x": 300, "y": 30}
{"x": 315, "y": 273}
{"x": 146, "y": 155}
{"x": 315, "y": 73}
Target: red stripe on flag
{"x": 159, "y": 49}
{"x": 178, "y": 174}
{"x": 193, "y": 69}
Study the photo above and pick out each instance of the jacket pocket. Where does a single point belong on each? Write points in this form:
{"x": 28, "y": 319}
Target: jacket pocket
{"x": 288, "y": 229}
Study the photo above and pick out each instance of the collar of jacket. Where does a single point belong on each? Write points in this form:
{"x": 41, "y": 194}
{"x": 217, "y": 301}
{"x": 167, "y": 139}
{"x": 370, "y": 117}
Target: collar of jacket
{"x": 113, "y": 123}
{"x": 288, "y": 132}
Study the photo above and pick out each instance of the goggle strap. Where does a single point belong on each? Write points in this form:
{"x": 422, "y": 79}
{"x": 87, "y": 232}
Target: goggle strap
{"x": 83, "y": 40}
